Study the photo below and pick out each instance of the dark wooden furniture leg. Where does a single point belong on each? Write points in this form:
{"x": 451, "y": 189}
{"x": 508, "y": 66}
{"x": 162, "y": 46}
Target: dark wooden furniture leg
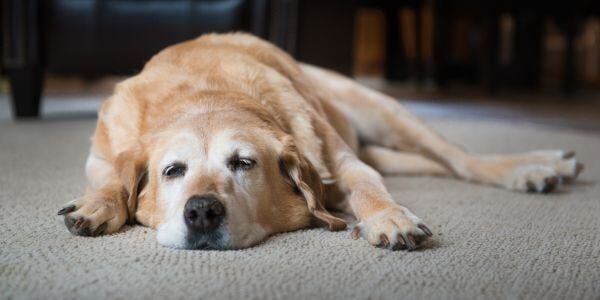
{"x": 569, "y": 58}
{"x": 394, "y": 53}
{"x": 26, "y": 88}
{"x": 491, "y": 44}
{"x": 418, "y": 64}
{"x": 440, "y": 42}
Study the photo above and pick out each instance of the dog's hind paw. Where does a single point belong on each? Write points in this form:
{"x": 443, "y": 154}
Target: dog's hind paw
{"x": 545, "y": 175}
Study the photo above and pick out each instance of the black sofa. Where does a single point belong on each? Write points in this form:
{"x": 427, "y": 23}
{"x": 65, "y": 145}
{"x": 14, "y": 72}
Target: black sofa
{"x": 93, "y": 38}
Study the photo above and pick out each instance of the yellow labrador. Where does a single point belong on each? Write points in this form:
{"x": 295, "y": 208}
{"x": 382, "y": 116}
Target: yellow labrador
{"x": 224, "y": 140}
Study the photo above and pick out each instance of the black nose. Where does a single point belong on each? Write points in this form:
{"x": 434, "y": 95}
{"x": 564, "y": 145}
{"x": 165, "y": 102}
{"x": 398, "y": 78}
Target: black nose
{"x": 203, "y": 213}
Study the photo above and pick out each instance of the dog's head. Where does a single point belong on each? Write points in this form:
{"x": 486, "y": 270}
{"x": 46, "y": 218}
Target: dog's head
{"x": 222, "y": 179}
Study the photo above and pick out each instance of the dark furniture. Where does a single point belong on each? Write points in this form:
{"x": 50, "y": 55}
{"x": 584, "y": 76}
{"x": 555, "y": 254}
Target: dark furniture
{"x": 93, "y": 38}
{"x": 480, "y": 58}
{"x": 397, "y": 65}
{"x": 525, "y": 68}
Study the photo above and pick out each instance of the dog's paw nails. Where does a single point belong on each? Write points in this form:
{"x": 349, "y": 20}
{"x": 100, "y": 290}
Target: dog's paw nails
{"x": 550, "y": 184}
{"x": 543, "y": 171}
{"x": 544, "y": 186}
{"x": 573, "y": 172}
{"x": 384, "y": 241}
{"x": 400, "y": 242}
{"x": 100, "y": 230}
{"x": 355, "y": 234}
{"x": 531, "y": 187}
{"x": 568, "y": 167}
{"x": 83, "y": 227}
{"x": 535, "y": 179}
{"x": 78, "y": 226}
{"x": 395, "y": 228}
{"x": 93, "y": 215}
{"x": 71, "y": 206}
{"x": 81, "y": 222}
{"x": 568, "y": 154}
{"x": 67, "y": 209}
{"x": 425, "y": 229}
{"x": 411, "y": 243}
{"x": 578, "y": 169}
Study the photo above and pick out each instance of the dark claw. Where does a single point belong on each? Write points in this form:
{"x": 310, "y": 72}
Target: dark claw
{"x": 552, "y": 180}
{"x": 355, "y": 234}
{"x": 85, "y": 231}
{"x": 550, "y": 184}
{"x": 531, "y": 187}
{"x": 425, "y": 229}
{"x": 84, "y": 224}
{"x": 384, "y": 241}
{"x": 578, "y": 169}
{"x": 100, "y": 229}
{"x": 410, "y": 242}
{"x": 419, "y": 238}
{"x": 401, "y": 244}
{"x": 547, "y": 189}
{"x": 78, "y": 227}
{"x": 569, "y": 154}
{"x": 66, "y": 210}
{"x": 78, "y": 223}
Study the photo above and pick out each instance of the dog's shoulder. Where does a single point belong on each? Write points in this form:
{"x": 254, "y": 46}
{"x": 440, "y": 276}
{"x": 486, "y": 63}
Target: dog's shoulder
{"x": 118, "y": 125}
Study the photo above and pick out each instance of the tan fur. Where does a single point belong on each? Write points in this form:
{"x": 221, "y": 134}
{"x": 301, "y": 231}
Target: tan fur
{"x": 304, "y": 124}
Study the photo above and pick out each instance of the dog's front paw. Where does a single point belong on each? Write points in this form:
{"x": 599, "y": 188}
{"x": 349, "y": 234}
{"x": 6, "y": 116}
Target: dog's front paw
{"x": 394, "y": 228}
{"x": 93, "y": 215}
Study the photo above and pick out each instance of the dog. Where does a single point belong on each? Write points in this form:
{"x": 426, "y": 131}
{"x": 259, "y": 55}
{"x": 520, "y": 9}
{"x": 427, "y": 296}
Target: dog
{"x": 224, "y": 140}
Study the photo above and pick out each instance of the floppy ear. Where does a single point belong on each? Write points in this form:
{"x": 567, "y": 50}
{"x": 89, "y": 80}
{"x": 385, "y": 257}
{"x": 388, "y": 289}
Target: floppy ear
{"x": 300, "y": 174}
{"x": 132, "y": 170}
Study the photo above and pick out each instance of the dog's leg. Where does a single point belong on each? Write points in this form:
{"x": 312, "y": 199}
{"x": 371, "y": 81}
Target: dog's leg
{"x": 381, "y": 120}
{"x": 383, "y": 222}
{"x": 563, "y": 166}
{"x": 102, "y": 209}
{"x": 391, "y": 162}
{"x": 537, "y": 171}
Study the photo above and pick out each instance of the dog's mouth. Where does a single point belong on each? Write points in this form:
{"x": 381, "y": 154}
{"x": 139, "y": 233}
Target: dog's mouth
{"x": 207, "y": 241}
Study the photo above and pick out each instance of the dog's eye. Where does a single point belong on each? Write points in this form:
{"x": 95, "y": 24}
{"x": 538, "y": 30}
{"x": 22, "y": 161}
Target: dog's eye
{"x": 174, "y": 170}
{"x": 240, "y": 164}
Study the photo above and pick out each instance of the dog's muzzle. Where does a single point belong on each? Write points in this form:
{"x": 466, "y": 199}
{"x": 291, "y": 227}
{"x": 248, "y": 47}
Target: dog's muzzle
{"x": 203, "y": 216}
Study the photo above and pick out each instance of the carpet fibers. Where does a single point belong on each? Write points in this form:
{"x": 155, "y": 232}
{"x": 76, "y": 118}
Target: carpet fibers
{"x": 490, "y": 243}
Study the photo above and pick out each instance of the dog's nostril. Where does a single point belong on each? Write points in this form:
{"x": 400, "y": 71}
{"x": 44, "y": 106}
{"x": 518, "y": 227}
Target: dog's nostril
{"x": 203, "y": 213}
{"x": 191, "y": 214}
{"x": 211, "y": 214}
{"x": 215, "y": 210}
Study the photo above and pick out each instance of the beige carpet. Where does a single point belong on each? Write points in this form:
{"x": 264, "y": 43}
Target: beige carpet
{"x": 490, "y": 243}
